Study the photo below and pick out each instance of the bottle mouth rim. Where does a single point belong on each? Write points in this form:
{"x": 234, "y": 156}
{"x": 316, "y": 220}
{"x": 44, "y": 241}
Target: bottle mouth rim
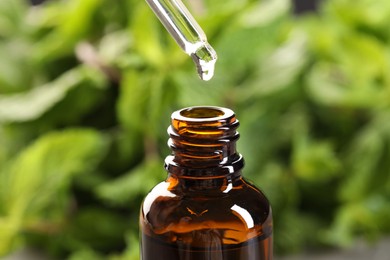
{"x": 202, "y": 114}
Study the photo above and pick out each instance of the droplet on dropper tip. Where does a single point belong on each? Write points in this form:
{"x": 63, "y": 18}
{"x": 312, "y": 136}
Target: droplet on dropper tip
{"x": 204, "y": 59}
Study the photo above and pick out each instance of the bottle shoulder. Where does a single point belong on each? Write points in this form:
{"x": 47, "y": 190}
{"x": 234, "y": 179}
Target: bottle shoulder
{"x": 239, "y": 210}
{"x": 243, "y": 194}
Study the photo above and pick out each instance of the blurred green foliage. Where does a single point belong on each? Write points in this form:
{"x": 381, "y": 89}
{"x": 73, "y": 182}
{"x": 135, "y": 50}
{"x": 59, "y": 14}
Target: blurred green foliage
{"x": 87, "y": 89}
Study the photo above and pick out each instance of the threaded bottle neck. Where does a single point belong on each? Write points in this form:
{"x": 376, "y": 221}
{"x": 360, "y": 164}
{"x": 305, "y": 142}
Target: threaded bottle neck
{"x": 203, "y": 142}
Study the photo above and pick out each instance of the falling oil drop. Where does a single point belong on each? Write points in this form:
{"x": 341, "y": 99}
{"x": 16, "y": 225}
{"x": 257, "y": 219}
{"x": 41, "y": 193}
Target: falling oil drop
{"x": 205, "y": 58}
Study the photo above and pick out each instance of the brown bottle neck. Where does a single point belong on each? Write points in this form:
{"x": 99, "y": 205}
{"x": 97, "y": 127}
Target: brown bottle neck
{"x": 203, "y": 143}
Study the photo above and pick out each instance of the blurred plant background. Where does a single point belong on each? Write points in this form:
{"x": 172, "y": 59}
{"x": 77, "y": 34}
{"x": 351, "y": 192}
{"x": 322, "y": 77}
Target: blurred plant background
{"x": 87, "y": 89}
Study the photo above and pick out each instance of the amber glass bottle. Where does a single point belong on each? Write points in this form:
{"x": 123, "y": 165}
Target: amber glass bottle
{"x": 205, "y": 209}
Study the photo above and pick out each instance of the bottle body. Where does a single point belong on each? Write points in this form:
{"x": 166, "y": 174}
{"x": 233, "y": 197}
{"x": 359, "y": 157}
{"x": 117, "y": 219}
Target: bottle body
{"x": 205, "y": 209}
{"x": 230, "y": 224}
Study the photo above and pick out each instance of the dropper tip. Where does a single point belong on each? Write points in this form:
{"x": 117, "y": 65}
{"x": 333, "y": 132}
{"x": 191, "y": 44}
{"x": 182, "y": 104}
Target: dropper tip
{"x": 205, "y": 58}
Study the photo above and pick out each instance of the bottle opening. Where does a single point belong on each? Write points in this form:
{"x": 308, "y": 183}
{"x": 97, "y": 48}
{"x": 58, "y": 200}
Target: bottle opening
{"x": 202, "y": 113}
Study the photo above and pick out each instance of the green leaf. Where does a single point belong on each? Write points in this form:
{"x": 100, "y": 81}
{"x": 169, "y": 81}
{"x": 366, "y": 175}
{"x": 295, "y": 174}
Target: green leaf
{"x": 147, "y": 31}
{"x": 295, "y": 229}
{"x": 362, "y": 12}
{"x": 262, "y": 13}
{"x": 132, "y": 251}
{"x": 132, "y": 184}
{"x": 240, "y": 45}
{"x": 114, "y": 45}
{"x": 286, "y": 61}
{"x": 41, "y": 173}
{"x": 272, "y": 176}
{"x": 86, "y": 254}
{"x": 366, "y": 217}
{"x": 314, "y": 160}
{"x": 145, "y": 97}
{"x": 215, "y": 16}
{"x": 72, "y": 25}
{"x": 34, "y": 103}
{"x": 11, "y": 17}
{"x": 191, "y": 91}
{"x": 332, "y": 85}
{"x": 367, "y": 160}
{"x": 16, "y": 74}
{"x": 84, "y": 233}
{"x": 131, "y": 106}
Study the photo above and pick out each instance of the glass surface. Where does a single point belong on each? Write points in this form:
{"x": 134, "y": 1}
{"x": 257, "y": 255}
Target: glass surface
{"x": 191, "y": 219}
{"x": 188, "y": 34}
{"x": 205, "y": 209}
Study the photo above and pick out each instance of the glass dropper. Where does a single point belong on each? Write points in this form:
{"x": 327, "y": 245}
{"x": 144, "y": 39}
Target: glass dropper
{"x": 188, "y": 34}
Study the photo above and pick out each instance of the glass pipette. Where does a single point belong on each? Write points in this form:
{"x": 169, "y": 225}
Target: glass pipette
{"x": 188, "y": 34}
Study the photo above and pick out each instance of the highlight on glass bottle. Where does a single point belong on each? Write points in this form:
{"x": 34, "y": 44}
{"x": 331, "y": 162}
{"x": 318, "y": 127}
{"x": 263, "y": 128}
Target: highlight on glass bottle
{"x": 205, "y": 209}
{"x": 187, "y": 33}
